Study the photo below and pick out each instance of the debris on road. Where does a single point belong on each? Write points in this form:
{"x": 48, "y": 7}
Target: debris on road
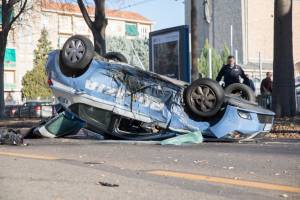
{"x": 189, "y": 138}
{"x": 105, "y": 184}
{"x": 284, "y": 195}
{"x": 200, "y": 161}
{"x": 94, "y": 163}
{"x": 10, "y": 137}
{"x": 230, "y": 168}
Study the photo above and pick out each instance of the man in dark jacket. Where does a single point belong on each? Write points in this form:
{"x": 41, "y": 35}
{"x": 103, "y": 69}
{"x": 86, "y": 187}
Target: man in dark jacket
{"x": 266, "y": 85}
{"x": 231, "y": 72}
{"x": 249, "y": 83}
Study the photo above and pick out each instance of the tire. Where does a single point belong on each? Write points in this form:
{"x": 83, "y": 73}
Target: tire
{"x": 116, "y": 56}
{"x": 77, "y": 53}
{"x": 203, "y": 98}
{"x": 242, "y": 91}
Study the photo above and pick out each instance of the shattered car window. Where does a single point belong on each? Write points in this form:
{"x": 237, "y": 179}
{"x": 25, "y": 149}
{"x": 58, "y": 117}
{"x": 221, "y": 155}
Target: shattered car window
{"x": 95, "y": 116}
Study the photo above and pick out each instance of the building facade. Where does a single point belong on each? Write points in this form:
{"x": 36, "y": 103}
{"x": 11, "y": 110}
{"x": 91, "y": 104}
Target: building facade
{"x": 246, "y": 27}
{"x": 61, "y": 20}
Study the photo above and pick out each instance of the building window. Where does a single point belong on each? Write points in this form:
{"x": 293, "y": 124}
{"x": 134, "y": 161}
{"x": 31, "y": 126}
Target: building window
{"x": 80, "y": 26}
{"x": 9, "y": 76}
{"x": 131, "y": 29}
{"x": 65, "y": 24}
{"x": 9, "y": 80}
{"x": 62, "y": 39}
{"x": 45, "y": 20}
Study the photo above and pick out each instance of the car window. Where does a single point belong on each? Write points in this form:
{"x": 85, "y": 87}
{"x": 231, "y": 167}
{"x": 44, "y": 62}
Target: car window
{"x": 45, "y": 103}
{"x": 30, "y": 104}
{"x": 37, "y": 103}
{"x": 94, "y": 116}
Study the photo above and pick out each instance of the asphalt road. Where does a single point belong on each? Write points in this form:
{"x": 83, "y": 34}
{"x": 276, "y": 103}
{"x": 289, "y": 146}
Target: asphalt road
{"x": 73, "y": 169}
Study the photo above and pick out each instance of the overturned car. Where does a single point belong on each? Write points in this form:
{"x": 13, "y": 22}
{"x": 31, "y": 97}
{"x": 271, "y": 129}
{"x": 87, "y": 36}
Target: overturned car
{"x": 125, "y": 102}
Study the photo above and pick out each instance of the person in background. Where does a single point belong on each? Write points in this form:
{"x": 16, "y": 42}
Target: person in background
{"x": 249, "y": 83}
{"x": 266, "y": 84}
{"x": 231, "y": 72}
{"x": 266, "y": 90}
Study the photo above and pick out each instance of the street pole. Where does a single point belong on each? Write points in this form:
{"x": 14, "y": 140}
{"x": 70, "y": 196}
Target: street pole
{"x": 260, "y": 66}
{"x": 138, "y": 58}
{"x": 236, "y": 56}
{"x": 209, "y": 63}
{"x": 231, "y": 39}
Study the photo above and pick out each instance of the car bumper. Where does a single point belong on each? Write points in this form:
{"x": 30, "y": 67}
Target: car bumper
{"x": 238, "y": 123}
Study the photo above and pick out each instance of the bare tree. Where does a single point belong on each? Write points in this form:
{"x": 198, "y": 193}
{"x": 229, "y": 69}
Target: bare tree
{"x": 97, "y": 26}
{"x": 284, "y": 82}
{"x": 194, "y": 38}
{"x": 8, "y": 8}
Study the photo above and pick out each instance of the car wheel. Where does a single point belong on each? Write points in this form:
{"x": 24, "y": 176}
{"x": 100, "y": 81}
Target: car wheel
{"x": 77, "y": 53}
{"x": 241, "y": 91}
{"x": 204, "y": 98}
{"x": 116, "y": 56}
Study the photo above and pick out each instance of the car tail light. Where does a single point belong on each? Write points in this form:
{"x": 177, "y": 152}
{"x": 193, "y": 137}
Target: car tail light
{"x": 50, "y": 82}
{"x": 37, "y": 108}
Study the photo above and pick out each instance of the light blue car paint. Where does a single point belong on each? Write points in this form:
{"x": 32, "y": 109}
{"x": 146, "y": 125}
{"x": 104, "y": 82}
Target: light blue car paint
{"x": 231, "y": 121}
{"x": 144, "y": 96}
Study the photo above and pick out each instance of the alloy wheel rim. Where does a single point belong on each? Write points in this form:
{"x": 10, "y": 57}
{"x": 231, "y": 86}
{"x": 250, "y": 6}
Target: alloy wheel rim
{"x": 204, "y": 98}
{"x": 74, "y": 51}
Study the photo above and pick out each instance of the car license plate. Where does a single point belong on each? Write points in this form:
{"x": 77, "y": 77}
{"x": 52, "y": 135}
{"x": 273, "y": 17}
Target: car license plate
{"x": 268, "y": 127}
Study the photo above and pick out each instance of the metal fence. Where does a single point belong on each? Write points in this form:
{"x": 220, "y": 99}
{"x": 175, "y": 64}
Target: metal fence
{"x": 265, "y": 101}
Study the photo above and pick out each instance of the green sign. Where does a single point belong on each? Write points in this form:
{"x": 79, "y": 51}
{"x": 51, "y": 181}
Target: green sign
{"x": 10, "y": 58}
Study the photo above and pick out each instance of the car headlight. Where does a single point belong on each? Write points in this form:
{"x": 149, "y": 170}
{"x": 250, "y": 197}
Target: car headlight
{"x": 244, "y": 114}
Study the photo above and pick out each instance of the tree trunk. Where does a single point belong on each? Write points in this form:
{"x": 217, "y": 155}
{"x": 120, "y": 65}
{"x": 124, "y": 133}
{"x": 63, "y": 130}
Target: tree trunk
{"x": 100, "y": 24}
{"x": 194, "y": 39}
{"x": 7, "y": 7}
{"x": 3, "y": 41}
{"x": 97, "y": 26}
{"x": 283, "y": 94}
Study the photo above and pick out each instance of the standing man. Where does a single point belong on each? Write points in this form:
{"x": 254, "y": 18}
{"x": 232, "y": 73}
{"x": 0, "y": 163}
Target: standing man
{"x": 266, "y": 84}
{"x": 266, "y": 90}
{"x": 231, "y": 72}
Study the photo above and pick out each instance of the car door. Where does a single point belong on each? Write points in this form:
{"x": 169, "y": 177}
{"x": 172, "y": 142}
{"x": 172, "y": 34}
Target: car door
{"x": 159, "y": 99}
{"x": 25, "y": 110}
{"x": 135, "y": 98}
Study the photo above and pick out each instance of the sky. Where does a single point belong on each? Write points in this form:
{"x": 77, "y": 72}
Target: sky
{"x": 164, "y": 13}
